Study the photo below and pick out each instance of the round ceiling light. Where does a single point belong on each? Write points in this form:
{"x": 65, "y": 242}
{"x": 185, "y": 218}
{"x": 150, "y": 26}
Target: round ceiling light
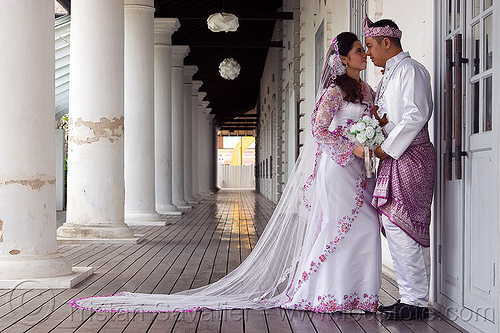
{"x": 229, "y": 69}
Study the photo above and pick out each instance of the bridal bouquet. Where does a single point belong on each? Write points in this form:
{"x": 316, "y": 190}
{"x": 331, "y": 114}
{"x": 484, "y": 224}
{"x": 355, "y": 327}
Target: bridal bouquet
{"x": 368, "y": 133}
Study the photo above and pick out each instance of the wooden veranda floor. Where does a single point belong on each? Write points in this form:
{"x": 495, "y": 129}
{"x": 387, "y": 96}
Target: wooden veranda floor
{"x": 194, "y": 249}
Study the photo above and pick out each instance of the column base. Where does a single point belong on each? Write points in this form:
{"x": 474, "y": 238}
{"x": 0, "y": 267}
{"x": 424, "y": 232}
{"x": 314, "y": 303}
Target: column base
{"x": 19, "y": 266}
{"x": 77, "y": 275}
{"x": 198, "y": 197}
{"x": 184, "y": 208}
{"x": 191, "y": 200}
{"x": 130, "y": 240}
{"x": 140, "y": 218}
{"x": 168, "y": 210}
{"x": 182, "y": 205}
{"x": 75, "y": 233}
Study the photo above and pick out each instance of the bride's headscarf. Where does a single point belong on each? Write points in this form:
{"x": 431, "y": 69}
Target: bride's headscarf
{"x": 332, "y": 68}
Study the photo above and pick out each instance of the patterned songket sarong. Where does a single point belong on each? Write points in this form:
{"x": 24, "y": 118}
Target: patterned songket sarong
{"x": 405, "y": 187}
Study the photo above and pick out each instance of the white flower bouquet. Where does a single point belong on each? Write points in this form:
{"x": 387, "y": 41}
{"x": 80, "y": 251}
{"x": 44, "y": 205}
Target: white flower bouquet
{"x": 368, "y": 133}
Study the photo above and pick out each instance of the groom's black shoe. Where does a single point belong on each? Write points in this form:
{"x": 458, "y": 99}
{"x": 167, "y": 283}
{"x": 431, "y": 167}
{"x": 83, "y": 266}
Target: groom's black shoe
{"x": 382, "y": 308}
{"x": 402, "y": 311}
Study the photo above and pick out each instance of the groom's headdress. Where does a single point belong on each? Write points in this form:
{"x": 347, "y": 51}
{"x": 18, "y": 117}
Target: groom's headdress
{"x": 386, "y": 31}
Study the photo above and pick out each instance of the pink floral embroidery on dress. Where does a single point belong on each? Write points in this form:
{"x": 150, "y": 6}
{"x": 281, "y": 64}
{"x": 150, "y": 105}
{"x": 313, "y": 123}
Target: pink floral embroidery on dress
{"x": 335, "y": 143}
{"x": 343, "y": 227}
{"x": 329, "y": 303}
{"x": 310, "y": 179}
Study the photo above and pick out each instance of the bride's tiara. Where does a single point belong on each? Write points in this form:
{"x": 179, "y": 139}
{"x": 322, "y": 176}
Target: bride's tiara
{"x": 386, "y": 31}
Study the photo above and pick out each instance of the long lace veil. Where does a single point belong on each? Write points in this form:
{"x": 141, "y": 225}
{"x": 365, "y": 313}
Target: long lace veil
{"x": 260, "y": 281}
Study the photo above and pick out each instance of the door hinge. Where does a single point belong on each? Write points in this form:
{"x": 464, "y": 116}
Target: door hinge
{"x": 494, "y": 275}
{"x": 439, "y": 253}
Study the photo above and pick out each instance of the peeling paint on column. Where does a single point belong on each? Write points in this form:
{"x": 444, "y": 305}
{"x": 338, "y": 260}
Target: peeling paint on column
{"x": 86, "y": 132}
{"x": 1, "y": 230}
{"x": 35, "y": 184}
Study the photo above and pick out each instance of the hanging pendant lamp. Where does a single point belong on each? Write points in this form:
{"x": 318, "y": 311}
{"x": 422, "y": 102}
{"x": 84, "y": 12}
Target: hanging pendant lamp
{"x": 229, "y": 69}
{"x": 222, "y": 22}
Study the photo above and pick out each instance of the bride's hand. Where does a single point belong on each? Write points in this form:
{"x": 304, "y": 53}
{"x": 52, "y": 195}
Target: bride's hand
{"x": 359, "y": 151}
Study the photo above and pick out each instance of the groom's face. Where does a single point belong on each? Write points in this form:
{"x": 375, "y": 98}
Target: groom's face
{"x": 376, "y": 51}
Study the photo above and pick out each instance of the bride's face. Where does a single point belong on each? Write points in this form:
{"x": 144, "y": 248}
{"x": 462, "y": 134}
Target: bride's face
{"x": 356, "y": 58}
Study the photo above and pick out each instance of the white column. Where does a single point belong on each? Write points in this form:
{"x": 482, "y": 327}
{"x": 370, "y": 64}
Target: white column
{"x": 194, "y": 151}
{"x": 28, "y": 245}
{"x": 164, "y": 28}
{"x": 199, "y": 143}
{"x": 206, "y": 149}
{"x": 140, "y": 204}
{"x": 198, "y": 151}
{"x": 189, "y": 71}
{"x": 96, "y": 191}
{"x": 202, "y": 120}
{"x": 212, "y": 161}
{"x": 179, "y": 52}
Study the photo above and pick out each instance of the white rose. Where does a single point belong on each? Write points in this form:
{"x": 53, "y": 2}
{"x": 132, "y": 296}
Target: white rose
{"x": 379, "y": 138}
{"x": 361, "y": 126}
{"x": 361, "y": 137}
{"x": 369, "y": 132}
{"x": 373, "y": 122}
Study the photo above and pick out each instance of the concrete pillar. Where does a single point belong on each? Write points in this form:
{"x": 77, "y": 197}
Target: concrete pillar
{"x": 96, "y": 191}
{"x": 212, "y": 160}
{"x": 206, "y": 151}
{"x": 60, "y": 155}
{"x": 179, "y": 52}
{"x": 140, "y": 204}
{"x": 28, "y": 245}
{"x": 189, "y": 71}
{"x": 202, "y": 124}
{"x": 163, "y": 30}
{"x": 194, "y": 151}
{"x": 198, "y": 151}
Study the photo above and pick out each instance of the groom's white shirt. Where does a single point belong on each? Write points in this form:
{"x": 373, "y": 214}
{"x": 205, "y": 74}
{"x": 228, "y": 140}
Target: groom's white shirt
{"x": 405, "y": 95}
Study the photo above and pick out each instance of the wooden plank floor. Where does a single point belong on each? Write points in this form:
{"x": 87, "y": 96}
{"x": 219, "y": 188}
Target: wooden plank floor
{"x": 194, "y": 249}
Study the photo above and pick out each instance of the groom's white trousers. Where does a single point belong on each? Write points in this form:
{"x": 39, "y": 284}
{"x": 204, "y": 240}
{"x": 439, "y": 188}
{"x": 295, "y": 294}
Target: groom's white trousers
{"x": 411, "y": 265}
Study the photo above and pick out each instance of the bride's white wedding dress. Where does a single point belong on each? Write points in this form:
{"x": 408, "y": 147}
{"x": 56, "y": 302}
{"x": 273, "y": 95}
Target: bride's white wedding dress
{"x": 320, "y": 251}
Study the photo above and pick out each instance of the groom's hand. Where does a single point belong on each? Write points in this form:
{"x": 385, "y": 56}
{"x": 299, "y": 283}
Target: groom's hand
{"x": 380, "y": 153}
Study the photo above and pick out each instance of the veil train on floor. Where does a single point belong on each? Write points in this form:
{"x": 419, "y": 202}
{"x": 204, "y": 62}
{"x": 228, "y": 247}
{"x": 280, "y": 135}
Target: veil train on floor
{"x": 260, "y": 281}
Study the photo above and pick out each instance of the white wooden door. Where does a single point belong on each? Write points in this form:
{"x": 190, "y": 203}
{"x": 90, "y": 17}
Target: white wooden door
{"x": 468, "y": 217}
{"x": 481, "y": 222}
{"x": 452, "y": 222}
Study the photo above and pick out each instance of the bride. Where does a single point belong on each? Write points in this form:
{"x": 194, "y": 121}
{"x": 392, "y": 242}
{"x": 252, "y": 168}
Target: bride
{"x": 320, "y": 251}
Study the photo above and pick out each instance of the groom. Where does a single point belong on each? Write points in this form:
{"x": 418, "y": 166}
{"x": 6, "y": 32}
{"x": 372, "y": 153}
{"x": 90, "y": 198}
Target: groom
{"x": 405, "y": 181}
